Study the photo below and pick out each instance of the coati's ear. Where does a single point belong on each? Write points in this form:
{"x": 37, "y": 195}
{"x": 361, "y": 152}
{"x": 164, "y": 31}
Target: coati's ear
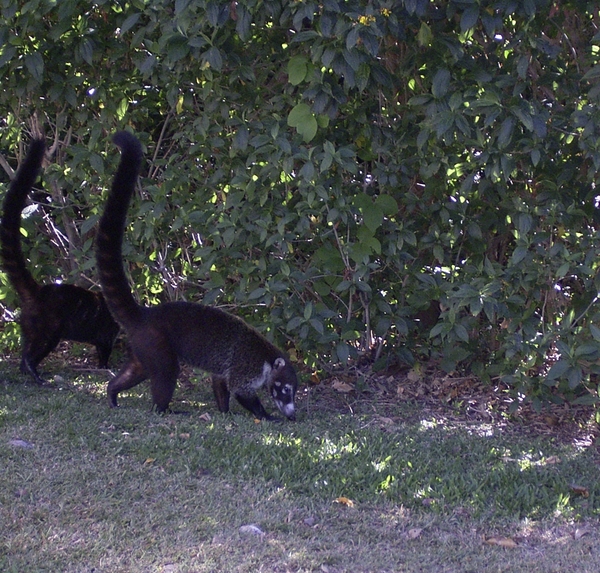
{"x": 278, "y": 365}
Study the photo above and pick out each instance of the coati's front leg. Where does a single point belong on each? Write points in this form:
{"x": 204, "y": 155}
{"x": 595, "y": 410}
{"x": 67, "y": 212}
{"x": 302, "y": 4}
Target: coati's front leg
{"x": 248, "y": 401}
{"x": 252, "y": 403}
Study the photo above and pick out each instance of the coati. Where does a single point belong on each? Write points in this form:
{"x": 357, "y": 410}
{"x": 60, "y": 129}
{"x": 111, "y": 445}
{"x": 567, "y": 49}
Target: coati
{"x": 52, "y": 312}
{"x": 239, "y": 358}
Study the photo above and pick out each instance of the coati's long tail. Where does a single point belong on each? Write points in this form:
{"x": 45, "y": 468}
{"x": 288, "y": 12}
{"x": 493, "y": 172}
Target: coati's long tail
{"x": 13, "y": 261}
{"x": 109, "y": 239}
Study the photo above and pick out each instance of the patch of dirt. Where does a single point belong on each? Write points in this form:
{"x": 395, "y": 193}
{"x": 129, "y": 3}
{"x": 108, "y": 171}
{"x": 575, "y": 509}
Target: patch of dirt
{"x": 428, "y": 393}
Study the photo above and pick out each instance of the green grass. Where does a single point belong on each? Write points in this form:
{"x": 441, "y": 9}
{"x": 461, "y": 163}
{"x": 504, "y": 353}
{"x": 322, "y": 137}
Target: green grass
{"x": 128, "y": 490}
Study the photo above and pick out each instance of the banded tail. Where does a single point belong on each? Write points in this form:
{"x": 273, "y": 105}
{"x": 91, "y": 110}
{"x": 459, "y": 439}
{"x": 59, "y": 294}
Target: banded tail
{"x": 11, "y": 253}
{"x": 109, "y": 239}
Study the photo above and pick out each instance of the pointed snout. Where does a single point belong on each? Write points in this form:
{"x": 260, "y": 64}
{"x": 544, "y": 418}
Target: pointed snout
{"x": 288, "y": 410}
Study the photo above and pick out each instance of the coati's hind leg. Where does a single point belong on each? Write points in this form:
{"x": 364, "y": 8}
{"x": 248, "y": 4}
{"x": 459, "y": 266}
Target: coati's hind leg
{"x": 221, "y": 393}
{"x": 129, "y": 376}
{"x": 164, "y": 367}
{"x": 163, "y": 386}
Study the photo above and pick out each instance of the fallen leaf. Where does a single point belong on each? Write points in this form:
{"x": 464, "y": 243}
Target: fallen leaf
{"x": 414, "y": 375}
{"x": 150, "y": 460}
{"x": 552, "y": 460}
{"x": 344, "y": 501}
{"x": 501, "y": 542}
{"x": 580, "y": 490}
{"x": 414, "y": 533}
{"x": 342, "y": 386}
{"x": 206, "y": 417}
{"x": 314, "y": 378}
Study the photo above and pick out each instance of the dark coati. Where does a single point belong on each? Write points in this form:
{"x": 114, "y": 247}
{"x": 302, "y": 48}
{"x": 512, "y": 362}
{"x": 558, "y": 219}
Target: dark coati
{"x": 240, "y": 359}
{"x": 53, "y": 312}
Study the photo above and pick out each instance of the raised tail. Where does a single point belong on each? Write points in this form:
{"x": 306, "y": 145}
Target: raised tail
{"x": 13, "y": 261}
{"x": 109, "y": 239}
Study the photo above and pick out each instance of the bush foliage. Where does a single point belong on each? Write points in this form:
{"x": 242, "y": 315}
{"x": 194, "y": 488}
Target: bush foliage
{"x": 414, "y": 179}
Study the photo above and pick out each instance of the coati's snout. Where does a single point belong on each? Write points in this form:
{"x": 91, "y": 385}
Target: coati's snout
{"x": 283, "y": 387}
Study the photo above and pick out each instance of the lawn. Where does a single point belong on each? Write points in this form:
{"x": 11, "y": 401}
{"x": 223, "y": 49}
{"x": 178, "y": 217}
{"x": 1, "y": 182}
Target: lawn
{"x": 363, "y": 481}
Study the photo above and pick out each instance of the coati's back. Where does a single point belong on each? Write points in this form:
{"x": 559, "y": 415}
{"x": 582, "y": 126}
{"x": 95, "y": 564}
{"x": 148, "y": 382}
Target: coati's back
{"x": 83, "y": 315}
{"x": 13, "y": 261}
{"x": 212, "y": 339}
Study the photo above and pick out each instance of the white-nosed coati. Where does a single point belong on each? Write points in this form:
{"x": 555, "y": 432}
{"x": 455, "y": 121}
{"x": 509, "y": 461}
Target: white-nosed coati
{"x": 53, "y": 312}
{"x": 240, "y": 359}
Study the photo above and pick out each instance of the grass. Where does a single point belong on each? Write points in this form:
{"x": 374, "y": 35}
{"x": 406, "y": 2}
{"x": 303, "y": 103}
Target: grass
{"x": 86, "y": 488}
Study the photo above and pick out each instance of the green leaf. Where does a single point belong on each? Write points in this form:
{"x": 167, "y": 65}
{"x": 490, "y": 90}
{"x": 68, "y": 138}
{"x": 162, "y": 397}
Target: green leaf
{"x": 299, "y": 114}
{"x": 35, "y": 66}
{"x": 342, "y": 351}
{"x": 593, "y": 73}
{"x": 88, "y": 224}
{"x": 373, "y": 217}
{"x": 469, "y": 18}
{"x": 505, "y": 134}
{"x": 129, "y": 23}
{"x": 524, "y": 224}
{"x": 518, "y": 255}
{"x": 595, "y": 332}
{"x": 424, "y": 35}
{"x": 213, "y": 58}
{"x": 461, "y": 332}
{"x": 352, "y": 38}
{"x": 474, "y": 230}
{"x": 297, "y": 69}
{"x": 308, "y": 130}
{"x": 97, "y": 163}
{"x": 86, "y": 51}
{"x": 308, "y": 310}
{"x": 587, "y": 349}
{"x": 302, "y": 118}
{"x": 257, "y": 293}
{"x": 558, "y": 370}
{"x": 180, "y": 6}
{"x": 441, "y": 83}
{"x": 387, "y": 204}
{"x": 244, "y": 22}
